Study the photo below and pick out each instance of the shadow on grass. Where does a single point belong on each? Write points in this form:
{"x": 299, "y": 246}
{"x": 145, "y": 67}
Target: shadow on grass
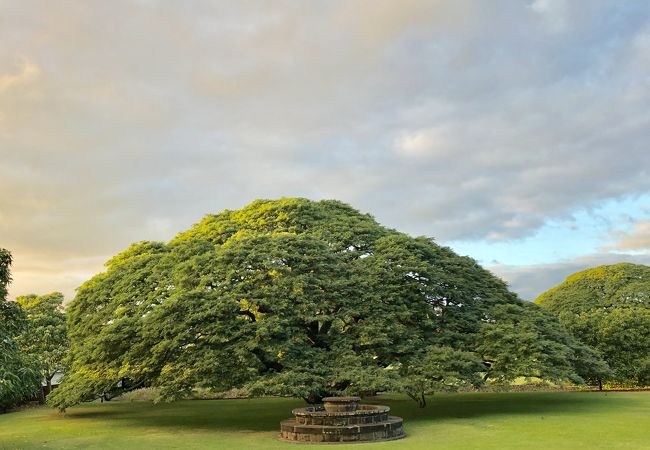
{"x": 264, "y": 415}
{"x": 259, "y": 415}
{"x": 468, "y": 406}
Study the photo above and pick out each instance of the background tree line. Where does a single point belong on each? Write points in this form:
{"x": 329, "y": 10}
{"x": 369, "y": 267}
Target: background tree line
{"x": 33, "y": 342}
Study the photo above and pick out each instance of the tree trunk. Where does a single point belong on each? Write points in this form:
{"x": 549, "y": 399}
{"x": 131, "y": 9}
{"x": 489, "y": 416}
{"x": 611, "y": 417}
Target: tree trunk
{"x": 418, "y": 398}
{"x": 314, "y": 398}
{"x": 45, "y": 390}
{"x": 600, "y": 384}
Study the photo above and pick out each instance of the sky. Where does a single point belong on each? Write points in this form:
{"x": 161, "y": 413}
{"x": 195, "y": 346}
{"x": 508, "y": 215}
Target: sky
{"x": 516, "y": 132}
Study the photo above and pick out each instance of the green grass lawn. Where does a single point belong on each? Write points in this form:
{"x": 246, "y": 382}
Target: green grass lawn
{"x": 549, "y": 421}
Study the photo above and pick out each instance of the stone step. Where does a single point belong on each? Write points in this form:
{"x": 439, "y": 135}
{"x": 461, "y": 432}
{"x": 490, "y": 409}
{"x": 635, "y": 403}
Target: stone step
{"x": 341, "y": 420}
{"x": 392, "y": 428}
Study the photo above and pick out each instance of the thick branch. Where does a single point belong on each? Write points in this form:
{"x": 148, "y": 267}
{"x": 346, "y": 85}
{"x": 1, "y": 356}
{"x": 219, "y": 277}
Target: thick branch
{"x": 325, "y": 327}
{"x": 266, "y": 362}
{"x": 248, "y": 314}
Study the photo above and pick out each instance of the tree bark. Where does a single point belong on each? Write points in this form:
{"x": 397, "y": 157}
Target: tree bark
{"x": 314, "y": 398}
{"x": 418, "y": 398}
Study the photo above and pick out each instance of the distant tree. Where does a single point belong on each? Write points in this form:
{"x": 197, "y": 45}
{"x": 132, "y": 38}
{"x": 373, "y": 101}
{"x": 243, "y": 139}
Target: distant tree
{"x": 608, "y": 308}
{"x": 18, "y": 376}
{"x": 300, "y": 298}
{"x": 46, "y": 338}
{"x": 523, "y": 340}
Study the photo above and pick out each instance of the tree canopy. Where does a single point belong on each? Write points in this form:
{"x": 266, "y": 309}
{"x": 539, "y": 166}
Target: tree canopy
{"x": 46, "y": 338}
{"x": 303, "y": 298}
{"x": 608, "y": 308}
{"x": 18, "y": 376}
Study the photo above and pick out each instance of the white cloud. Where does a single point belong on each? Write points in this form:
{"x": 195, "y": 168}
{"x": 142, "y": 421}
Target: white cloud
{"x": 636, "y": 240}
{"x": 25, "y": 73}
{"x": 41, "y": 273}
{"x": 459, "y": 120}
{"x": 553, "y": 12}
{"x": 425, "y": 143}
{"x": 531, "y": 281}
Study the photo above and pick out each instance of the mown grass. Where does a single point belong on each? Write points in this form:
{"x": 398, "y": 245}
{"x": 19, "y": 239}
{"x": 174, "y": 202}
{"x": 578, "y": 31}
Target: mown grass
{"x": 539, "y": 420}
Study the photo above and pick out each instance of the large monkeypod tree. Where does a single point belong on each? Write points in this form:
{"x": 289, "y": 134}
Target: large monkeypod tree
{"x": 608, "y": 308}
{"x": 302, "y": 298}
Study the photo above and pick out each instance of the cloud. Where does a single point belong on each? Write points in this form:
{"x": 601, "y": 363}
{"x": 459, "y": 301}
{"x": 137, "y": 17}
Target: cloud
{"x": 27, "y": 72}
{"x": 637, "y": 239}
{"x": 41, "y": 274}
{"x": 125, "y": 121}
{"x": 428, "y": 143}
{"x": 533, "y": 280}
{"x": 553, "y": 12}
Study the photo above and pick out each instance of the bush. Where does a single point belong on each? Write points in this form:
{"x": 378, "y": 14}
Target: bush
{"x": 211, "y": 394}
{"x": 148, "y": 394}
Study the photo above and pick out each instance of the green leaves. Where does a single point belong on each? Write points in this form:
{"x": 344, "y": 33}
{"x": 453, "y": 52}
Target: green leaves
{"x": 46, "y": 338}
{"x": 608, "y": 308}
{"x": 19, "y": 376}
{"x": 291, "y": 297}
{"x": 522, "y": 340}
{"x": 438, "y": 368}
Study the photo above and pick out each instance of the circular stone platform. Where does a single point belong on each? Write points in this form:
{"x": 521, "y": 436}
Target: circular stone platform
{"x": 342, "y": 419}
